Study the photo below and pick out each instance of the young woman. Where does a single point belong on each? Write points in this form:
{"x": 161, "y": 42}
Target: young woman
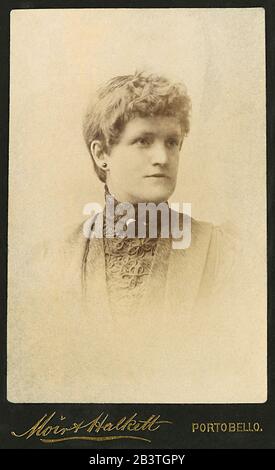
{"x": 112, "y": 316}
{"x": 134, "y": 132}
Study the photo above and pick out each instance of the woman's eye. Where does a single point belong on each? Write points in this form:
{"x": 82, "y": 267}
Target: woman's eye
{"x": 143, "y": 141}
{"x": 172, "y": 143}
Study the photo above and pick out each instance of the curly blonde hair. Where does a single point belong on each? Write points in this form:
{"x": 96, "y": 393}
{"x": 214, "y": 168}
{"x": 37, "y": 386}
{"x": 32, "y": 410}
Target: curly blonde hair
{"x": 125, "y": 97}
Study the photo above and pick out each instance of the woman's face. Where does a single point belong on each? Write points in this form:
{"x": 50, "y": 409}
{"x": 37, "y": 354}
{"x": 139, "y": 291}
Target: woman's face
{"x": 143, "y": 165}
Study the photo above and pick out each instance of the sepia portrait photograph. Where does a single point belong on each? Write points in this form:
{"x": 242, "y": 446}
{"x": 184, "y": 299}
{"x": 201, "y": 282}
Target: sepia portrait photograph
{"x": 137, "y": 206}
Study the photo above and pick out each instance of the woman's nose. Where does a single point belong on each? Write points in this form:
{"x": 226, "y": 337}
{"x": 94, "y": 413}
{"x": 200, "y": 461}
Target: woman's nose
{"x": 159, "y": 154}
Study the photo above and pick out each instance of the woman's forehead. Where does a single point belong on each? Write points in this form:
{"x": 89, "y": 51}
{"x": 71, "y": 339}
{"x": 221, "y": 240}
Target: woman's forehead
{"x": 164, "y": 125}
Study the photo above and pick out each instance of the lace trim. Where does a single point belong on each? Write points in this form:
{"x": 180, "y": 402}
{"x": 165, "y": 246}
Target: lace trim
{"x": 128, "y": 263}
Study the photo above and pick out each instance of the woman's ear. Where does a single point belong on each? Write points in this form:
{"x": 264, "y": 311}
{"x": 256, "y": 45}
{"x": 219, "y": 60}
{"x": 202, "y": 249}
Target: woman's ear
{"x": 98, "y": 154}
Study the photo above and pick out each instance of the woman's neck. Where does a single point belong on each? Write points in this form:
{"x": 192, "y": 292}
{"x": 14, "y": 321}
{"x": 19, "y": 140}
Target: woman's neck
{"x": 132, "y": 213}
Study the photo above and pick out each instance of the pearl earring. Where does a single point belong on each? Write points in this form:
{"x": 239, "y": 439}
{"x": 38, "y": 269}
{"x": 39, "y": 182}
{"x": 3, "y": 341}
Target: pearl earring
{"x": 104, "y": 165}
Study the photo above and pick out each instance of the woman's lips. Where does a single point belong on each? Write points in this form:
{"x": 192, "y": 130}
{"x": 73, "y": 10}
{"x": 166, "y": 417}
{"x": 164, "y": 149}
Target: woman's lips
{"x": 157, "y": 175}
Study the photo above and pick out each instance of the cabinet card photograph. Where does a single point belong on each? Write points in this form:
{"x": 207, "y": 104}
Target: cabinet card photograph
{"x": 137, "y": 206}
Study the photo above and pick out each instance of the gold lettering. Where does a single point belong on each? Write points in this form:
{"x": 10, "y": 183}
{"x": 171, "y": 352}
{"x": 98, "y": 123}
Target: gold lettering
{"x": 36, "y": 428}
{"x": 154, "y": 420}
{"x": 108, "y": 427}
{"x": 58, "y": 430}
{"x": 46, "y": 432}
{"x": 137, "y": 427}
{"x": 121, "y": 421}
{"x": 131, "y": 426}
{"x": 125, "y": 425}
{"x": 232, "y": 427}
{"x": 210, "y": 427}
{"x": 93, "y": 424}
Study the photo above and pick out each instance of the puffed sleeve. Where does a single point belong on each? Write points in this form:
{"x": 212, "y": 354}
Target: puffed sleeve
{"x": 221, "y": 260}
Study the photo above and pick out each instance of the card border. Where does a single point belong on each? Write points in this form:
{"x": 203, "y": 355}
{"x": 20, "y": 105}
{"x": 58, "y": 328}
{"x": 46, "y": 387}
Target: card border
{"x": 19, "y": 416}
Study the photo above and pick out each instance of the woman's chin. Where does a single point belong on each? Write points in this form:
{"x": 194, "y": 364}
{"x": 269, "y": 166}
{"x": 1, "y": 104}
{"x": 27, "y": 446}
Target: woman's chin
{"x": 156, "y": 195}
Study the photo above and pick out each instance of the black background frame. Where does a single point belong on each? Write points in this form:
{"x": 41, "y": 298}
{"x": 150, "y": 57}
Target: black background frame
{"x": 19, "y": 417}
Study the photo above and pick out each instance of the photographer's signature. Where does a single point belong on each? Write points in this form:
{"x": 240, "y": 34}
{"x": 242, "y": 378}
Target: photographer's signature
{"x": 49, "y": 430}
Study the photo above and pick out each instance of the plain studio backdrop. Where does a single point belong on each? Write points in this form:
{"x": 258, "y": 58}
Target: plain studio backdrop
{"x": 59, "y": 57}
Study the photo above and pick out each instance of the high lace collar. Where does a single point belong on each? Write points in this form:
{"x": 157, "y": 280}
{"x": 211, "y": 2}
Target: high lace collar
{"x": 133, "y": 219}
{"x": 108, "y": 194}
